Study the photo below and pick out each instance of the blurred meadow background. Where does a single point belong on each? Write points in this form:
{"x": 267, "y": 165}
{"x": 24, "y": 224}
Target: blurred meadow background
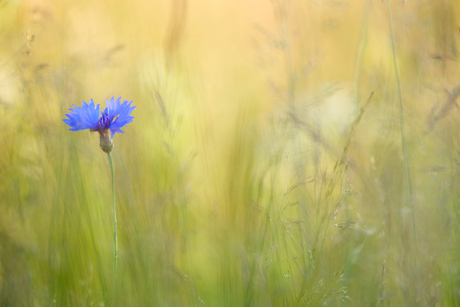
{"x": 266, "y": 164}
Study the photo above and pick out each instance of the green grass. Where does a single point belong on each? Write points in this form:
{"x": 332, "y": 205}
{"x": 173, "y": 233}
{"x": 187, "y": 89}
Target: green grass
{"x": 266, "y": 164}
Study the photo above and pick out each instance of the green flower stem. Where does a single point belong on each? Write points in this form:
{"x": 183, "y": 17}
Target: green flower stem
{"x": 115, "y": 254}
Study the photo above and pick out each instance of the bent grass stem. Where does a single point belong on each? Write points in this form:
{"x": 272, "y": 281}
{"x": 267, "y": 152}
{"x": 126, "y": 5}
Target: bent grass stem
{"x": 403, "y": 134}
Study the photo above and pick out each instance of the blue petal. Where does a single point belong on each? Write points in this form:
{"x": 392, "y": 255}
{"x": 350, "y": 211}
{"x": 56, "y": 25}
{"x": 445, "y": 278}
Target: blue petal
{"x": 113, "y": 130}
{"x": 112, "y": 106}
{"x": 121, "y": 114}
{"x": 84, "y": 117}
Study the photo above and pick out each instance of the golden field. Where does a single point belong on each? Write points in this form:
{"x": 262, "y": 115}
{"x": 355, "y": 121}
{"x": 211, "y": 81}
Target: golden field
{"x": 283, "y": 153}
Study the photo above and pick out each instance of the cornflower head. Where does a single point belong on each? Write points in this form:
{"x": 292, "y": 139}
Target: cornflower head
{"x": 111, "y": 120}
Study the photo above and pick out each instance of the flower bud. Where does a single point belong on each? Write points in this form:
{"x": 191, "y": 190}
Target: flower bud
{"x": 106, "y": 142}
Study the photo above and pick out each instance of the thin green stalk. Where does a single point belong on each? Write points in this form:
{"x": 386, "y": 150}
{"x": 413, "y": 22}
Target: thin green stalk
{"x": 274, "y": 235}
{"x": 271, "y": 249}
{"x": 115, "y": 253}
{"x": 326, "y": 229}
{"x": 403, "y": 135}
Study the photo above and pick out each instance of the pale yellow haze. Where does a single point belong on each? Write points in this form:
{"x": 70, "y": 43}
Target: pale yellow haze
{"x": 259, "y": 163}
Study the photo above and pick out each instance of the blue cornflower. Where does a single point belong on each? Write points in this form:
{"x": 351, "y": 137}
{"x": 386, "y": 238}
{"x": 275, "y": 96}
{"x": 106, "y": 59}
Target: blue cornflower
{"x": 113, "y": 118}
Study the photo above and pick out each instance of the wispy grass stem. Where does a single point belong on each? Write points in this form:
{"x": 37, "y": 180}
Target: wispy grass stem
{"x": 403, "y": 134}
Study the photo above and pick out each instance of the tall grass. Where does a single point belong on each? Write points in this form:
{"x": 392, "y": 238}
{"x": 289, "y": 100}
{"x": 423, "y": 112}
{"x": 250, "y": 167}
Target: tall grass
{"x": 264, "y": 166}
